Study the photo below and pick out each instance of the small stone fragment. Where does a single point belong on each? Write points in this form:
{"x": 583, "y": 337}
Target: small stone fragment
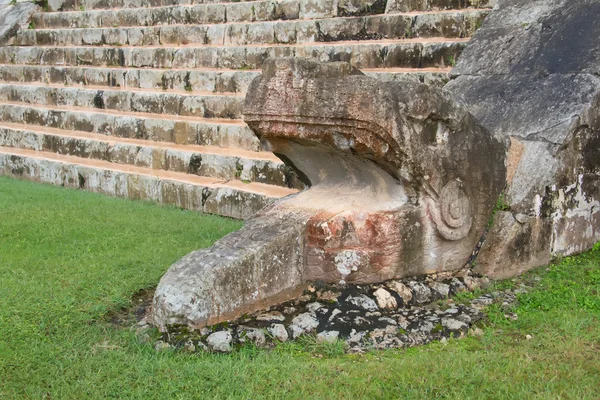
{"x": 328, "y": 296}
{"x": 385, "y": 300}
{"x": 313, "y": 307}
{"x": 441, "y": 288}
{"x": 421, "y": 292}
{"x": 360, "y": 321}
{"x": 220, "y": 341}
{"x": 303, "y": 323}
{"x": 289, "y": 310}
{"x": 271, "y": 316}
{"x": 252, "y": 335}
{"x": 528, "y": 337}
{"x": 456, "y": 286}
{"x": 304, "y": 299}
{"x": 327, "y": 336}
{"x": 454, "y": 325}
{"x": 162, "y": 346}
{"x": 278, "y": 332}
{"x": 334, "y": 313}
{"x": 355, "y": 337}
{"x": 387, "y": 320}
{"x": 189, "y": 346}
{"x": 511, "y": 316}
{"x": 363, "y": 302}
{"x": 403, "y": 291}
{"x": 471, "y": 283}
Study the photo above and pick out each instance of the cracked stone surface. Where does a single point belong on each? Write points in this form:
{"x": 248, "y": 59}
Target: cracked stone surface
{"x": 531, "y": 76}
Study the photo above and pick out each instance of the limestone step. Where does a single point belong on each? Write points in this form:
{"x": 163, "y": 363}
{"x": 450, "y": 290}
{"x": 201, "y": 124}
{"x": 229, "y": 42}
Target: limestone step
{"x": 388, "y": 53}
{"x": 154, "y": 101}
{"x": 203, "y": 79}
{"x": 214, "y": 162}
{"x": 287, "y": 8}
{"x": 422, "y": 5}
{"x": 134, "y": 125}
{"x": 197, "y": 80}
{"x": 391, "y": 26}
{"x": 431, "y": 76}
{"x": 66, "y": 5}
{"x": 398, "y": 26}
{"x": 232, "y": 199}
{"x": 162, "y": 15}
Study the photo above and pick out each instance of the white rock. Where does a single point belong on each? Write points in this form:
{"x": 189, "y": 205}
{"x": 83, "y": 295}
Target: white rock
{"x": 453, "y": 324}
{"x": 313, "y": 307}
{"x": 528, "y": 337}
{"x": 421, "y": 292}
{"x": 334, "y": 313}
{"x": 220, "y": 341}
{"x": 355, "y": 337}
{"x": 388, "y": 321}
{"x": 303, "y": 323}
{"x": 403, "y": 291}
{"x": 361, "y": 321}
{"x": 252, "y": 335}
{"x": 441, "y": 288}
{"x": 385, "y": 300}
{"x": 278, "y": 332}
{"x": 327, "y": 337}
{"x": 363, "y": 302}
{"x": 372, "y": 314}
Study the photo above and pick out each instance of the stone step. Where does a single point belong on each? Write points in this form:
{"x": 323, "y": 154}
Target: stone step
{"x": 425, "y": 5}
{"x": 69, "y": 5}
{"x": 154, "y": 101}
{"x": 214, "y": 162}
{"x": 214, "y": 13}
{"x": 426, "y": 24}
{"x": 397, "y": 26}
{"x": 201, "y": 80}
{"x": 196, "y": 80}
{"x": 135, "y": 125}
{"x": 232, "y": 199}
{"x": 286, "y": 9}
{"x": 385, "y": 53}
{"x": 432, "y": 76}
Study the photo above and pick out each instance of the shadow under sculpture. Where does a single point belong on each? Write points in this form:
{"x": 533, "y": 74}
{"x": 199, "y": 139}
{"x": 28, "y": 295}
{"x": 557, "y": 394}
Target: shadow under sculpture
{"x": 402, "y": 181}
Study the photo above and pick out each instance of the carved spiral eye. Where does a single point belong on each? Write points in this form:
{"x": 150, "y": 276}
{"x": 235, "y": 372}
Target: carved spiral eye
{"x": 452, "y": 212}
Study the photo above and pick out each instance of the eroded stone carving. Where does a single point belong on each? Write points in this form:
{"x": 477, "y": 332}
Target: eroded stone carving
{"x": 402, "y": 180}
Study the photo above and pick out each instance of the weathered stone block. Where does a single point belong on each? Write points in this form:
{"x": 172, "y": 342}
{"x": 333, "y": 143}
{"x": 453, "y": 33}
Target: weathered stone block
{"x": 530, "y": 76}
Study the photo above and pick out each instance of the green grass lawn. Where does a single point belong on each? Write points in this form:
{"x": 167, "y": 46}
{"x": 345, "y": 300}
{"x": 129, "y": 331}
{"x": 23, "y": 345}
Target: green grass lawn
{"x": 69, "y": 258}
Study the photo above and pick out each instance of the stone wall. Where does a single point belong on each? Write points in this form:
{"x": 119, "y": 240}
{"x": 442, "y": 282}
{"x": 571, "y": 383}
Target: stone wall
{"x": 531, "y": 76}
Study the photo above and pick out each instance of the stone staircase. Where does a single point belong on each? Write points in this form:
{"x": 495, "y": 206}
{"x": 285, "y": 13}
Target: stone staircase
{"x": 143, "y": 98}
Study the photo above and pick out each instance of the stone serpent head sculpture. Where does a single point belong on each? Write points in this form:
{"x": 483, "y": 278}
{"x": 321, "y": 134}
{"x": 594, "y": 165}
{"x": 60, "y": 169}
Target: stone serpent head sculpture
{"x": 402, "y": 181}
